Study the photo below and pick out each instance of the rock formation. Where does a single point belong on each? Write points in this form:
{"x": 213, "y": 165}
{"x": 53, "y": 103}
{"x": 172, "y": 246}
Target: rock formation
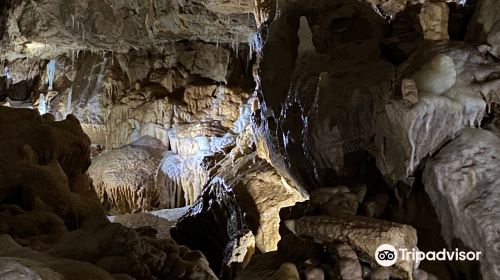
{"x": 271, "y": 139}
{"x": 52, "y": 223}
{"x": 462, "y": 186}
{"x": 124, "y": 178}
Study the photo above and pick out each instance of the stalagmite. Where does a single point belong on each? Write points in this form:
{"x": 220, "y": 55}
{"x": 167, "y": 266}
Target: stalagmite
{"x": 69, "y": 102}
{"x": 42, "y": 104}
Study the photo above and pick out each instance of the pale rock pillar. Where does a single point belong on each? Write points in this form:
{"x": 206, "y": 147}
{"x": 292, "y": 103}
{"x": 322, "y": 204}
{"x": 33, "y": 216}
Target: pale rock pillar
{"x": 434, "y": 21}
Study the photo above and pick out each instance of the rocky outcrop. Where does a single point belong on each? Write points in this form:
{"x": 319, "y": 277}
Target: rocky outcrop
{"x": 17, "y": 262}
{"x": 312, "y": 119}
{"x": 158, "y": 223}
{"x": 244, "y": 192}
{"x": 364, "y": 235}
{"x": 64, "y": 26}
{"x": 112, "y": 246}
{"x": 462, "y": 185}
{"x": 52, "y": 224}
{"x": 43, "y": 167}
{"x": 51, "y": 28}
{"x": 454, "y": 93}
{"x": 330, "y": 237}
{"x": 124, "y": 178}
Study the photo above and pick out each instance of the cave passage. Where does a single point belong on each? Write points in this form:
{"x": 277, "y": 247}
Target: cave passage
{"x": 250, "y": 139}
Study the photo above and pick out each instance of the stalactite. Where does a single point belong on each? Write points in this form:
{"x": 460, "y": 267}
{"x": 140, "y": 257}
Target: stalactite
{"x": 51, "y": 72}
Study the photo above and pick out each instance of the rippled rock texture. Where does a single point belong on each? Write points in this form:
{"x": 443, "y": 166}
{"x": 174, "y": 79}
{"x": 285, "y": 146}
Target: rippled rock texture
{"x": 124, "y": 178}
{"x": 462, "y": 184}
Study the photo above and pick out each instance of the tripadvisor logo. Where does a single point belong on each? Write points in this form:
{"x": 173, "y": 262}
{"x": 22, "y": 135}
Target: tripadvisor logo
{"x": 388, "y": 255}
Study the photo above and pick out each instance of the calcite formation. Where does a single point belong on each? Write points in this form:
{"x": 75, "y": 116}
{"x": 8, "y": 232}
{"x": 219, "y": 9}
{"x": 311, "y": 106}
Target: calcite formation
{"x": 331, "y": 243}
{"x": 117, "y": 25}
{"x": 446, "y": 106}
{"x": 124, "y": 178}
{"x": 462, "y": 185}
{"x": 282, "y": 139}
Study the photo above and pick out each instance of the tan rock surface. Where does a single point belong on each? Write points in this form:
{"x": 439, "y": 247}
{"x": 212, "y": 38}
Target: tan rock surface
{"x": 363, "y": 234}
{"x": 124, "y": 178}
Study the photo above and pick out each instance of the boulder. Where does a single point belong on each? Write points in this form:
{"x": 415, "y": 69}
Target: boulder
{"x": 124, "y": 178}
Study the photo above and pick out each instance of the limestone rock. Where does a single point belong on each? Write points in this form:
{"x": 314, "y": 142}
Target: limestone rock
{"x": 363, "y": 234}
{"x": 120, "y": 25}
{"x": 238, "y": 252}
{"x": 160, "y": 220}
{"x": 375, "y": 206}
{"x": 260, "y": 191}
{"x": 113, "y": 245}
{"x": 347, "y": 265}
{"x": 434, "y": 21}
{"x": 47, "y": 161}
{"x": 286, "y": 271}
{"x": 456, "y": 180}
{"x": 493, "y": 39}
{"x": 311, "y": 118}
{"x": 263, "y": 188}
{"x": 421, "y": 129}
{"x": 437, "y": 77}
{"x": 381, "y": 273}
{"x": 410, "y": 92}
{"x": 483, "y": 22}
{"x": 124, "y": 178}
{"x": 24, "y": 263}
{"x": 209, "y": 65}
{"x": 47, "y": 203}
{"x": 11, "y": 269}
{"x": 241, "y": 183}
{"x": 335, "y": 201}
{"x": 315, "y": 274}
